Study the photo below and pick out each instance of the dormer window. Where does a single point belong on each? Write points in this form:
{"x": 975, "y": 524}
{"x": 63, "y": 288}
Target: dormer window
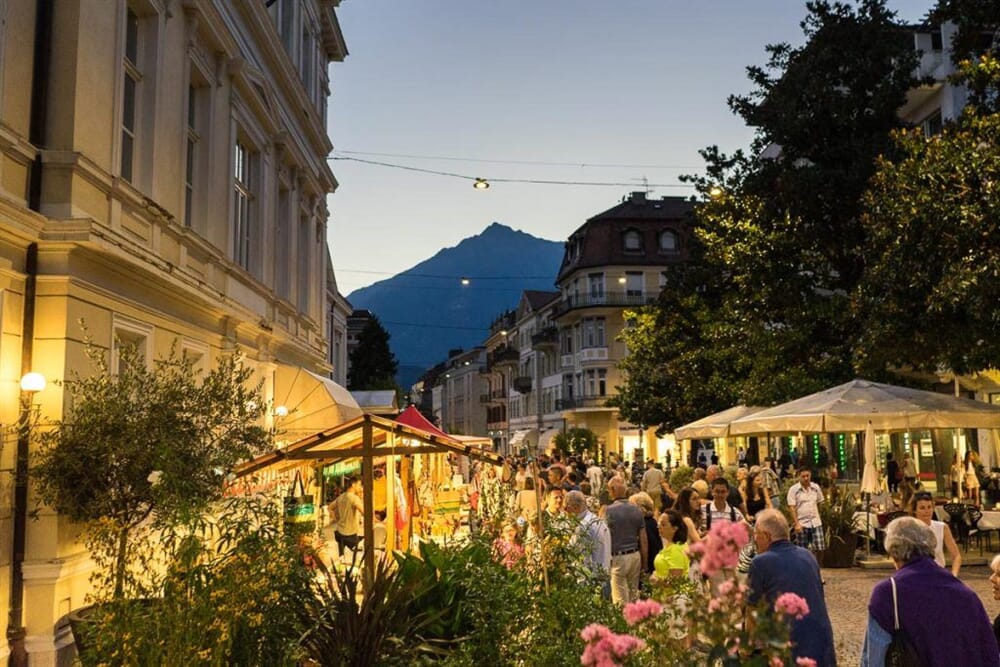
{"x": 632, "y": 241}
{"x": 668, "y": 242}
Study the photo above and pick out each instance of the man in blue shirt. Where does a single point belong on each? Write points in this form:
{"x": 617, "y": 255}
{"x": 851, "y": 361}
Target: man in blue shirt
{"x": 781, "y": 567}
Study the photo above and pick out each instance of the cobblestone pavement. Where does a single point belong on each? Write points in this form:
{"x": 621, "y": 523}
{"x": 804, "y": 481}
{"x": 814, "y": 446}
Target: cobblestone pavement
{"x": 847, "y": 593}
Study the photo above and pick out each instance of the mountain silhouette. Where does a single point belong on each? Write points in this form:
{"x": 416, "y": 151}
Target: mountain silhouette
{"x": 428, "y": 311}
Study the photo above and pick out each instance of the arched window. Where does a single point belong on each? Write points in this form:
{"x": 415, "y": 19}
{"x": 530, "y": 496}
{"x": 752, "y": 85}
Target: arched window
{"x": 668, "y": 241}
{"x": 632, "y": 241}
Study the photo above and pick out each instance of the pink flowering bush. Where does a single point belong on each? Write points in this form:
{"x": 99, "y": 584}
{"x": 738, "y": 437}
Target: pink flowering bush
{"x": 705, "y": 624}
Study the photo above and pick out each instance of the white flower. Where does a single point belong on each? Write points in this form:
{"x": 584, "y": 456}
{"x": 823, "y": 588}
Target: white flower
{"x": 154, "y": 477}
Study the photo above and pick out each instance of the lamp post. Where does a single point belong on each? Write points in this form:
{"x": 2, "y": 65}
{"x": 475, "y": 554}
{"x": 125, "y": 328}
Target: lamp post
{"x": 31, "y": 384}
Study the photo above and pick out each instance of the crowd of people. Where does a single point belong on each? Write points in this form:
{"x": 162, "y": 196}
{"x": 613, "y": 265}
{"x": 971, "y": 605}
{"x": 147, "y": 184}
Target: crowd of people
{"x": 634, "y": 530}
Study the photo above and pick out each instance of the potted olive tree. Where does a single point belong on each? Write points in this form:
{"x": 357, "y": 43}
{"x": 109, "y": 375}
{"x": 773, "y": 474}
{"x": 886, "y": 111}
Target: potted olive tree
{"x": 142, "y": 453}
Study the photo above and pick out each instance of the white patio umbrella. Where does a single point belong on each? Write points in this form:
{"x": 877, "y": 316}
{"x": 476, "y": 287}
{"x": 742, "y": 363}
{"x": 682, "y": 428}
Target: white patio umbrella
{"x": 855, "y": 404}
{"x": 714, "y": 425}
{"x": 869, "y": 482}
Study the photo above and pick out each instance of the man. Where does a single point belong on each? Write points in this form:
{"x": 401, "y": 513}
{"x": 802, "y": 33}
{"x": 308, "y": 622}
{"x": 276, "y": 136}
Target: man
{"x": 594, "y": 474}
{"x": 741, "y": 457}
{"x": 591, "y": 536}
{"x": 719, "y": 509}
{"x": 552, "y": 515}
{"x": 652, "y": 481}
{"x": 770, "y": 481}
{"x": 347, "y": 512}
{"x": 803, "y": 503}
{"x": 781, "y": 567}
{"x": 629, "y": 548}
{"x": 734, "y": 498}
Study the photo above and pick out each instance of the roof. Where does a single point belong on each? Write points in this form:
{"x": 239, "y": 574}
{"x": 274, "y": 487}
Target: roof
{"x": 539, "y": 298}
{"x": 600, "y": 240}
{"x": 380, "y": 398}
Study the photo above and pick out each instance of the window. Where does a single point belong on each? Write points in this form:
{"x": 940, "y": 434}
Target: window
{"x": 567, "y": 341}
{"x": 283, "y": 246}
{"x": 602, "y": 382}
{"x": 668, "y": 241}
{"x": 632, "y": 241}
{"x": 593, "y": 332}
{"x": 304, "y": 261}
{"x": 283, "y": 14}
{"x": 244, "y": 164}
{"x": 307, "y": 56}
{"x": 196, "y": 353}
{"x": 596, "y": 286}
{"x": 933, "y": 125}
{"x": 130, "y": 93}
{"x": 936, "y": 42}
{"x": 633, "y": 284}
{"x": 129, "y": 334}
{"x": 192, "y": 154}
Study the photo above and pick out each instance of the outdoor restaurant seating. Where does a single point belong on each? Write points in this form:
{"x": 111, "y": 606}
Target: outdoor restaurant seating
{"x": 958, "y": 520}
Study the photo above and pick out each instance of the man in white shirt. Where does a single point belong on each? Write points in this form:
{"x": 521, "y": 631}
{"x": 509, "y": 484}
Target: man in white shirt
{"x": 595, "y": 475}
{"x": 591, "y": 536}
{"x": 652, "y": 483}
{"x": 719, "y": 509}
{"x": 803, "y": 503}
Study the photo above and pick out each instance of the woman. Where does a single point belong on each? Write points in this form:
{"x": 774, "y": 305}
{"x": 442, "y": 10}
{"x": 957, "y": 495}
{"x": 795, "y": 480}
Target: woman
{"x": 971, "y": 478}
{"x": 756, "y": 497}
{"x": 942, "y": 618}
{"x": 689, "y": 507}
{"x": 923, "y": 509}
{"x": 528, "y": 502}
{"x": 672, "y": 561}
{"x": 644, "y": 501}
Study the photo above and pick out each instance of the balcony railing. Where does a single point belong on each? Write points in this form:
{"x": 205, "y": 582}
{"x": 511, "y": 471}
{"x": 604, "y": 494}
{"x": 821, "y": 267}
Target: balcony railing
{"x": 503, "y": 355}
{"x": 608, "y": 299}
{"x": 583, "y": 402}
{"x": 547, "y": 338}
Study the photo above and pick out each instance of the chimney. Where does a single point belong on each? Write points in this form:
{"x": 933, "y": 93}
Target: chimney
{"x": 638, "y": 198}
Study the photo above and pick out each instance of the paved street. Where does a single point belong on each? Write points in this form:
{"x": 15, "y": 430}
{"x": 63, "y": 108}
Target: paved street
{"x": 847, "y": 593}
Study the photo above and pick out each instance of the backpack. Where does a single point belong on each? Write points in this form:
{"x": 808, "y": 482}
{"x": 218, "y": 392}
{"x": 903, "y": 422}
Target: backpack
{"x": 708, "y": 515}
{"x": 901, "y": 653}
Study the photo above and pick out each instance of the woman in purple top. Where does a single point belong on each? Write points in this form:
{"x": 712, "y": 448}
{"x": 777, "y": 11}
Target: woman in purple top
{"x": 941, "y": 617}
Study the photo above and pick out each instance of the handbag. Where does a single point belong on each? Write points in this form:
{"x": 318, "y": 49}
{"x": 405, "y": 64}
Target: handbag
{"x": 901, "y": 652}
{"x": 299, "y": 507}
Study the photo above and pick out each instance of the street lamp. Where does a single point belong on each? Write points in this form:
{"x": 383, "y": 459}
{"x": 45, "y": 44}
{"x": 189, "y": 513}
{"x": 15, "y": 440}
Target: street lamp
{"x": 31, "y": 384}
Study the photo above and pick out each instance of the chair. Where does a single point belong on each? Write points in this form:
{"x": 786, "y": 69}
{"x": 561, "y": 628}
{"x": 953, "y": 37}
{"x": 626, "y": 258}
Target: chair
{"x": 958, "y": 521}
{"x": 974, "y": 515}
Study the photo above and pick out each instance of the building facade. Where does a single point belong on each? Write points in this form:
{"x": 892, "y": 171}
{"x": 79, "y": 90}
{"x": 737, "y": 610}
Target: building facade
{"x": 163, "y": 181}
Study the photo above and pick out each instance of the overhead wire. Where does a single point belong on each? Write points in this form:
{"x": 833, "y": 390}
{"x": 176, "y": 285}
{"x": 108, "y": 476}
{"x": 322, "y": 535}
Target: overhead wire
{"x": 542, "y": 163}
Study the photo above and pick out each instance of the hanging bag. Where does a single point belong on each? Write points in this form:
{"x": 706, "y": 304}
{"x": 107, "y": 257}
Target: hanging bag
{"x": 901, "y": 652}
{"x": 299, "y": 506}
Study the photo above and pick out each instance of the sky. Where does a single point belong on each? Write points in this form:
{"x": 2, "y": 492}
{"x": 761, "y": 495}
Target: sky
{"x": 609, "y": 91}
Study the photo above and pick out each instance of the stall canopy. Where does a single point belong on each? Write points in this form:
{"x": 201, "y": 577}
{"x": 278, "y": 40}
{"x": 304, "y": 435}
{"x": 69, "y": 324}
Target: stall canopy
{"x": 851, "y": 406}
{"x": 312, "y": 401}
{"x": 715, "y": 425}
{"x": 413, "y": 417}
{"x": 521, "y": 437}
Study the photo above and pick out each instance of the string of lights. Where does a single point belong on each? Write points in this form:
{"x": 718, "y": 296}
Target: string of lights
{"x": 541, "y": 163}
{"x": 482, "y": 183}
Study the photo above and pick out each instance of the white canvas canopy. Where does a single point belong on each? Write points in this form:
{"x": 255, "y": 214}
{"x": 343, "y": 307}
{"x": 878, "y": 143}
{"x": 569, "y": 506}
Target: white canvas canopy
{"x": 851, "y": 406}
{"x": 715, "y": 425}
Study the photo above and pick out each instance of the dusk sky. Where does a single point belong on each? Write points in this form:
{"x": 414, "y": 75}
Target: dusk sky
{"x": 632, "y": 89}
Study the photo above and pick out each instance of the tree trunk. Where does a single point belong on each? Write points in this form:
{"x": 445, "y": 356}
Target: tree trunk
{"x": 120, "y": 563}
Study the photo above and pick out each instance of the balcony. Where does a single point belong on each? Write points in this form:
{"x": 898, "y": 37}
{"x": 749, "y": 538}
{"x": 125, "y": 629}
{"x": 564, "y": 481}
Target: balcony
{"x": 503, "y": 355}
{"x": 584, "y": 402}
{"x": 494, "y": 397}
{"x": 484, "y": 398}
{"x": 522, "y": 384}
{"x": 606, "y": 300}
{"x": 546, "y": 339}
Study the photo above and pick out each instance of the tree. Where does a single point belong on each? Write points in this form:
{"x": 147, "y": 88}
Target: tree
{"x": 373, "y": 365}
{"x": 576, "y": 441}
{"x": 930, "y": 298}
{"x": 146, "y": 446}
{"x": 779, "y": 233}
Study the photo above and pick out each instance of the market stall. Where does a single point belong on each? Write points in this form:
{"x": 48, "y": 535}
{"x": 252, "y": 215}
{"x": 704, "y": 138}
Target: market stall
{"x": 376, "y": 440}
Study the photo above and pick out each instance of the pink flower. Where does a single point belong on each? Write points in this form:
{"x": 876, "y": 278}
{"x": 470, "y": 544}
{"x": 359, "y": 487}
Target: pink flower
{"x": 791, "y": 604}
{"x": 715, "y": 604}
{"x": 721, "y": 547}
{"x": 726, "y": 587}
{"x": 641, "y": 610}
{"x": 777, "y": 662}
{"x": 805, "y": 662}
{"x": 593, "y": 632}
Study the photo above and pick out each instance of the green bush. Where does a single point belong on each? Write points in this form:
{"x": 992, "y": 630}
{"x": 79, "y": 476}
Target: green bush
{"x": 681, "y": 477}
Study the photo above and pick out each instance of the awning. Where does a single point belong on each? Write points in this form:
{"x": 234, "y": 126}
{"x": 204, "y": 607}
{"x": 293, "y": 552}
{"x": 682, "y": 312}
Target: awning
{"x": 715, "y": 425}
{"x": 546, "y": 438}
{"x": 313, "y": 402}
{"x": 520, "y": 437}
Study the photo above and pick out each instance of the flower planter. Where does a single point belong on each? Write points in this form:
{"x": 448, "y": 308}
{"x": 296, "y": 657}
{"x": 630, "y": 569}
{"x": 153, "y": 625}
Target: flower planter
{"x": 840, "y": 552}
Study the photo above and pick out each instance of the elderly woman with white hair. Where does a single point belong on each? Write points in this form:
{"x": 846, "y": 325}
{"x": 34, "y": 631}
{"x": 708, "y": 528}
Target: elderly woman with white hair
{"x": 941, "y": 618}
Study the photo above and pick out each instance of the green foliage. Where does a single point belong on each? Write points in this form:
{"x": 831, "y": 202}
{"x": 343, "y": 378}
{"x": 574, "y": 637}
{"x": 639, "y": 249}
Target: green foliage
{"x": 145, "y": 443}
{"x": 681, "y": 477}
{"x": 576, "y": 441}
{"x": 837, "y": 514}
{"x": 227, "y": 592}
{"x": 373, "y": 365}
{"x": 930, "y": 297}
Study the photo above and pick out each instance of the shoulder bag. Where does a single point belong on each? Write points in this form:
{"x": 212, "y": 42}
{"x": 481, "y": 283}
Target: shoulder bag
{"x": 901, "y": 652}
